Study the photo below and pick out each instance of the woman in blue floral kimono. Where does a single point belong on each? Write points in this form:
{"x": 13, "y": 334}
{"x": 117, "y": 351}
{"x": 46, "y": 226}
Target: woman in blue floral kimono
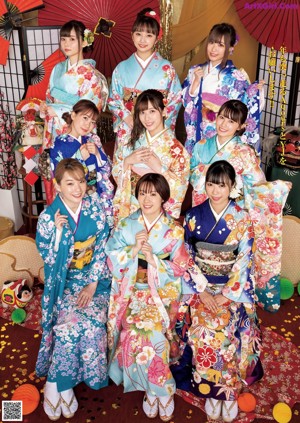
{"x": 223, "y": 339}
{"x": 79, "y": 143}
{"x": 71, "y": 237}
{"x": 145, "y": 69}
{"x": 209, "y": 85}
{"x": 147, "y": 258}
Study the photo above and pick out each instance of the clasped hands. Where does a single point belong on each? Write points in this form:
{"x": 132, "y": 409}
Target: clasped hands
{"x": 144, "y": 155}
{"x": 212, "y": 302}
{"x": 87, "y": 149}
{"x": 142, "y": 244}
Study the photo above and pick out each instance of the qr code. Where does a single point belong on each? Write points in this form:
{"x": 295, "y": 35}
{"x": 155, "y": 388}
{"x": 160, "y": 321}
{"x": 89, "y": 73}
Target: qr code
{"x": 12, "y": 411}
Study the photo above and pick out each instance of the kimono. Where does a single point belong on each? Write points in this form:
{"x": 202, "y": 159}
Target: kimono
{"x": 143, "y": 304}
{"x": 222, "y": 348}
{"x": 264, "y": 201}
{"x": 74, "y": 341}
{"x": 97, "y": 171}
{"x": 202, "y": 108}
{"x": 175, "y": 168}
{"x": 129, "y": 79}
{"x": 68, "y": 85}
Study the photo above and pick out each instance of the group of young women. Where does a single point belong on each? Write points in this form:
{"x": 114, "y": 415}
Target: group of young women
{"x": 131, "y": 294}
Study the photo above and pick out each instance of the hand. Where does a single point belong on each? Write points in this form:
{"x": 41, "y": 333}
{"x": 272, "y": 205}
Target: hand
{"x": 154, "y": 162}
{"x": 260, "y": 84}
{"x": 141, "y": 155}
{"x": 84, "y": 151}
{"x": 43, "y": 108}
{"x": 147, "y": 251}
{"x": 60, "y": 220}
{"x": 92, "y": 148}
{"x": 220, "y": 300}
{"x": 140, "y": 238}
{"x": 209, "y": 301}
{"x": 129, "y": 121}
{"x": 198, "y": 73}
{"x": 86, "y": 294}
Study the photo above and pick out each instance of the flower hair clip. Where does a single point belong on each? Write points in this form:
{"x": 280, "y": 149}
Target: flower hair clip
{"x": 88, "y": 37}
{"x": 235, "y": 192}
{"x": 155, "y": 16}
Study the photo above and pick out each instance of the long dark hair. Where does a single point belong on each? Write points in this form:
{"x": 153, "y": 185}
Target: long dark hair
{"x": 215, "y": 36}
{"x": 82, "y": 106}
{"x": 156, "y": 99}
{"x": 79, "y": 29}
{"x": 146, "y": 23}
{"x": 235, "y": 110}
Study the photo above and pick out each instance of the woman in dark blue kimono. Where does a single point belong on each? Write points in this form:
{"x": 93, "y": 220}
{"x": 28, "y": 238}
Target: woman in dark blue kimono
{"x": 223, "y": 339}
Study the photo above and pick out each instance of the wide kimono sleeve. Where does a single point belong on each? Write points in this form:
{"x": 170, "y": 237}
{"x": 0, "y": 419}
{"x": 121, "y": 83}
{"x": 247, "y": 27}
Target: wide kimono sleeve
{"x": 115, "y": 101}
{"x": 240, "y": 285}
{"x": 173, "y": 98}
{"x": 188, "y": 100}
{"x": 199, "y": 168}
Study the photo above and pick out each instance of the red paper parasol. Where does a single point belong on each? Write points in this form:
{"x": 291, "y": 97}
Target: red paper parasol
{"x": 113, "y": 44}
{"x": 10, "y": 17}
{"x": 272, "y": 23}
{"x": 40, "y": 76}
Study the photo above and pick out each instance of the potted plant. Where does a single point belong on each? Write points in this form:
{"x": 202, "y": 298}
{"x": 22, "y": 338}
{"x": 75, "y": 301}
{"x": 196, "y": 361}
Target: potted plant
{"x": 9, "y": 199}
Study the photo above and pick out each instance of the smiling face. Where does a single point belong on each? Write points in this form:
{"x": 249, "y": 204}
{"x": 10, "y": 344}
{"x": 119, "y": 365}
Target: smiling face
{"x": 72, "y": 188}
{"x": 216, "y": 51}
{"x": 226, "y": 128}
{"x": 218, "y": 194}
{"x": 150, "y": 201}
{"x": 72, "y": 47}
{"x": 144, "y": 43}
{"x": 83, "y": 123}
{"x": 152, "y": 119}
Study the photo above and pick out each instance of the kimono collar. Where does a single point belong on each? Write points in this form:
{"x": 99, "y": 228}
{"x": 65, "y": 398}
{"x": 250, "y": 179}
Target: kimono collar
{"x": 142, "y": 62}
{"x": 75, "y": 216}
{"x": 149, "y": 225}
{"x": 151, "y": 139}
{"x": 218, "y": 215}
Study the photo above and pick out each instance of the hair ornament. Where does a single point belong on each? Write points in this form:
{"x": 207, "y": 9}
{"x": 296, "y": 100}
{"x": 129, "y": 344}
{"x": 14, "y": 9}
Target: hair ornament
{"x": 235, "y": 192}
{"x": 88, "y": 37}
{"x": 155, "y": 16}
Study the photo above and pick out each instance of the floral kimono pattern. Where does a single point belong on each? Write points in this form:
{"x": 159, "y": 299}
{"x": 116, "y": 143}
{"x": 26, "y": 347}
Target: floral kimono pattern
{"x": 67, "y": 86}
{"x": 222, "y": 348}
{"x": 97, "y": 171}
{"x": 74, "y": 341}
{"x": 264, "y": 201}
{"x": 129, "y": 79}
{"x": 201, "y": 110}
{"x": 175, "y": 161}
{"x": 142, "y": 311}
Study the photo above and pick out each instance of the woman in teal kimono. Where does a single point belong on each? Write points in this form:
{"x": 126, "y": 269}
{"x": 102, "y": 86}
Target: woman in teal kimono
{"x": 223, "y": 339}
{"x": 209, "y": 85}
{"x": 145, "y": 69}
{"x": 262, "y": 199}
{"x": 147, "y": 257}
{"x": 79, "y": 143}
{"x": 71, "y": 237}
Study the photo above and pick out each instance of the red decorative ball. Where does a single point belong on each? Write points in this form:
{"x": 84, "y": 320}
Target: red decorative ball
{"x": 29, "y": 395}
{"x": 246, "y": 402}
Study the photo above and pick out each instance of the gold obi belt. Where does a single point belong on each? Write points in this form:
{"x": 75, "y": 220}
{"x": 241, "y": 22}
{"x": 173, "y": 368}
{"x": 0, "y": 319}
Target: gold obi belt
{"x": 83, "y": 253}
{"x": 215, "y": 259}
{"x": 143, "y": 266}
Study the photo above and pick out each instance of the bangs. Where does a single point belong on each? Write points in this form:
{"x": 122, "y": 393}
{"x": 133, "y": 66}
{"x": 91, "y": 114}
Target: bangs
{"x": 231, "y": 114}
{"x": 145, "y": 103}
{"x": 66, "y": 30}
{"x": 77, "y": 174}
{"x": 216, "y": 37}
{"x": 218, "y": 177}
{"x": 144, "y": 27}
{"x": 147, "y": 187}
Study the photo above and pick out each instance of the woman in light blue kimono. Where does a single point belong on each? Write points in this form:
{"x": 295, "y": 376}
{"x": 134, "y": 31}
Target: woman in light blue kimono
{"x": 71, "y": 237}
{"x": 262, "y": 199}
{"x": 147, "y": 257}
{"x": 79, "y": 143}
{"x": 223, "y": 339}
{"x": 145, "y": 69}
{"x": 71, "y": 80}
{"x": 209, "y": 85}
